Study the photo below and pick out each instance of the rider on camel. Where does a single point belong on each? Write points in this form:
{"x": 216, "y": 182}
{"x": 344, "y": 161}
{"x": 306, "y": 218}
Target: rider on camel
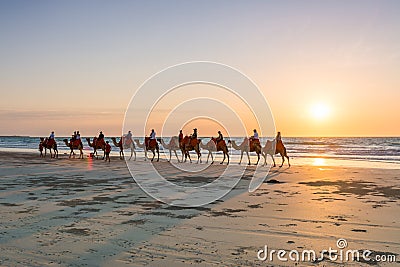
{"x": 254, "y": 138}
{"x": 255, "y": 135}
{"x": 220, "y": 137}
{"x": 152, "y": 137}
{"x": 101, "y": 136}
{"x": 180, "y": 136}
{"x": 78, "y": 137}
{"x": 100, "y": 139}
{"x": 128, "y": 138}
{"x": 193, "y": 136}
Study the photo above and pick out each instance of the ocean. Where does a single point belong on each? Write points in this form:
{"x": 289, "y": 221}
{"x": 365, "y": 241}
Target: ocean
{"x": 371, "y": 149}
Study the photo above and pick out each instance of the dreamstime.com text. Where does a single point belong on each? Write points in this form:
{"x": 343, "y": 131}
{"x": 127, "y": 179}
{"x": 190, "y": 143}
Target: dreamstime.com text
{"x": 339, "y": 254}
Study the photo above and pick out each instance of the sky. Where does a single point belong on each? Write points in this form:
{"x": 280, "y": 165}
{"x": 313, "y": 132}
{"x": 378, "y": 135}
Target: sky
{"x": 326, "y": 68}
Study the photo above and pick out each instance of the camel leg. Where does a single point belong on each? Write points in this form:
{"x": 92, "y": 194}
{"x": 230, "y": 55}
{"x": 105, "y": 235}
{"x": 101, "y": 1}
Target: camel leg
{"x": 176, "y": 155}
{"x": 170, "y": 155}
{"x": 158, "y": 155}
{"x": 283, "y": 160}
{"x": 241, "y": 156}
{"x": 145, "y": 154}
{"x": 212, "y": 157}
{"x": 228, "y": 157}
{"x": 288, "y": 160}
{"x": 248, "y": 157}
{"x": 133, "y": 151}
{"x": 258, "y": 158}
{"x": 265, "y": 158}
{"x": 154, "y": 154}
{"x": 285, "y": 154}
{"x": 208, "y": 156}
{"x": 223, "y": 160}
{"x": 273, "y": 159}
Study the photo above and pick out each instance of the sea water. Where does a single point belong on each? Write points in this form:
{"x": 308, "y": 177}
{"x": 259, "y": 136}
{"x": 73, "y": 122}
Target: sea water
{"x": 349, "y": 151}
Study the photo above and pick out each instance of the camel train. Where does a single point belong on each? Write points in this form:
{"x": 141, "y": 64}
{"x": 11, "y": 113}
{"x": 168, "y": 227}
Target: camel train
{"x": 183, "y": 144}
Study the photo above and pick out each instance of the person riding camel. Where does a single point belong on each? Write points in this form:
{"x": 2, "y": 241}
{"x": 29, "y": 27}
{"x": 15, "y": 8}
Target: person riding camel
{"x": 152, "y": 137}
{"x": 180, "y": 136}
{"x": 128, "y": 138}
{"x": 278, "y": 137}
{"x": 255, "y": 135}
{"x": 78, "y": 137}
{"x": 193, "y": 136}
{"x": 278, "y": 140}
{"x": 101, "y": 136}
{"x": 50, "y": 140}
{"x": 254, "y": 138}
{"x": 100, "y": 139}
{"x": 72, "y": 140}
{"x": 219, "y": 138}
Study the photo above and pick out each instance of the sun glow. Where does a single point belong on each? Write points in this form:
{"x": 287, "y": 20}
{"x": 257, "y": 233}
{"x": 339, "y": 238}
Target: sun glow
{"x": 319, "y": 162}
{"x": 320, "y": 111}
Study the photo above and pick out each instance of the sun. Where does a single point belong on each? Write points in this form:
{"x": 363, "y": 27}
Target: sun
{"x": 320, "y": 111}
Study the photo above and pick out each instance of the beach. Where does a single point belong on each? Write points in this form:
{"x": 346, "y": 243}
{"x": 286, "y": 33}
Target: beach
{"x": 89, "y": 212}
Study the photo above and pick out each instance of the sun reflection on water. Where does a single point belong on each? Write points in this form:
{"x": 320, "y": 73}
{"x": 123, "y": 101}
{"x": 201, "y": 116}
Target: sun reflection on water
{"x": 319, "y": 162}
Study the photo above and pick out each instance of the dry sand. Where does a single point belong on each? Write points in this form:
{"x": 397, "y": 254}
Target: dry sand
{"x": 88, "y": 212}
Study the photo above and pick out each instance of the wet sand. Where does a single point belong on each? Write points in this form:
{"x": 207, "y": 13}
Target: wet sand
{"x": 88, "y": 212}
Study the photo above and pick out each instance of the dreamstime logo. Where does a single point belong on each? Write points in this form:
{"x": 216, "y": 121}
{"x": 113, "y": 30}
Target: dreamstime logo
{"x": 189, "y": 93}
{"x": 340, "y": 254}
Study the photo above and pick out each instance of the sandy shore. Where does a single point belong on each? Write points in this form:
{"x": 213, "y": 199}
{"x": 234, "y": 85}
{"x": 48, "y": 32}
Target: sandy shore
{"x": 88, "y": 212}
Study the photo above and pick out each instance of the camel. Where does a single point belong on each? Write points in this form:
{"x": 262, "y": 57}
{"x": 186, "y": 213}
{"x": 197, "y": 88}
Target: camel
{"x": 212, "y": 147}
{"x": 77, "y": 144}
{"x": 97, "y": 145}
{"x": 271, "y": 148}
{"x": 49, "y": 144}
{"x": 173, "y": 145}
{"x": 247, "y": 146}
{"x": 152, "y": 145}
{"x": 186, "y": 146}
{"x": 124, "y": 145}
